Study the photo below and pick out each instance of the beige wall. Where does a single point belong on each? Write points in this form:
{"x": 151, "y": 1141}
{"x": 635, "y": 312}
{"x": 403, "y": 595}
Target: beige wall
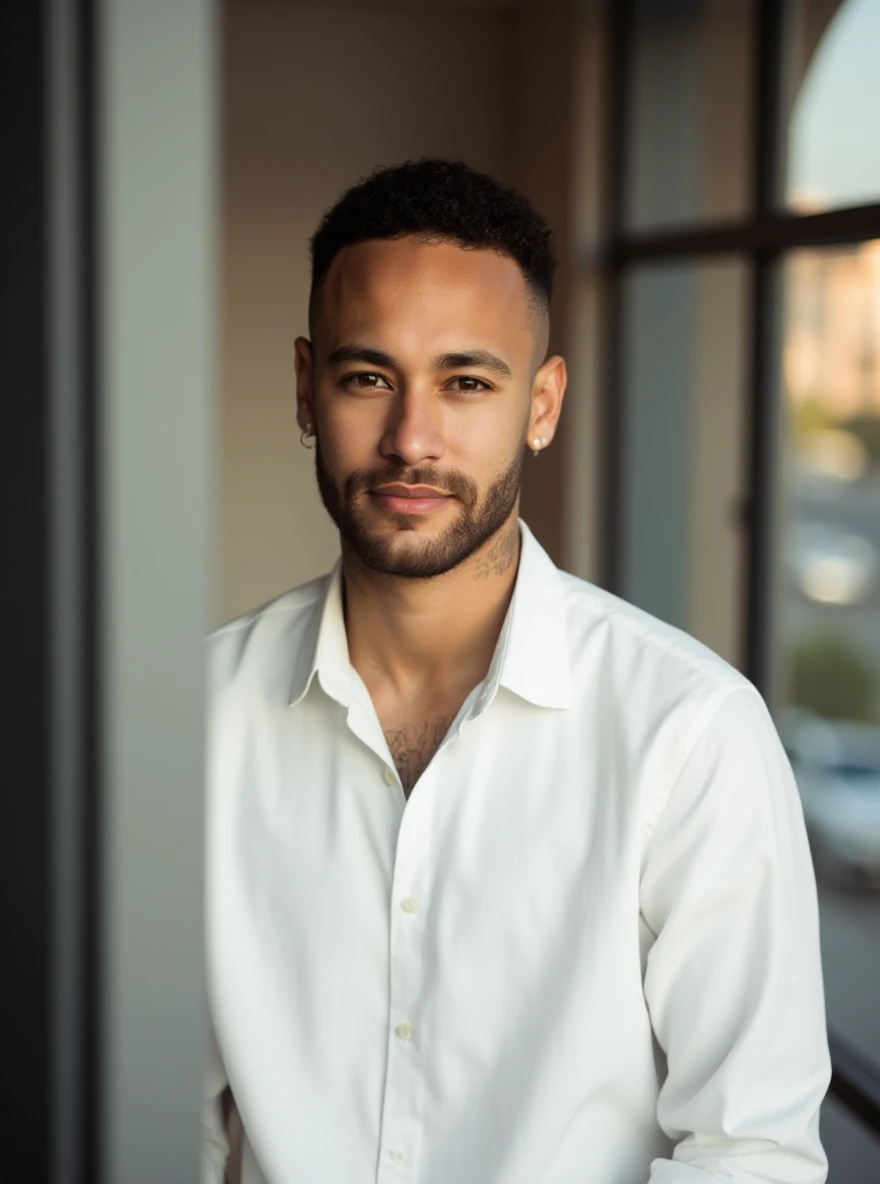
{"x": 541, "y": 167}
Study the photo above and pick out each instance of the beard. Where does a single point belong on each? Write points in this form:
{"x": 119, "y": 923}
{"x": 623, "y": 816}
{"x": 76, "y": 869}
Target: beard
{"x": 480, "y": 517}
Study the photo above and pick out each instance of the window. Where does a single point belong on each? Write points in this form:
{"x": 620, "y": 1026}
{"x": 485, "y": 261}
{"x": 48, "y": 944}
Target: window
{"x": 743, "y": 406}
{"x": 831, "y": 95}
{"x": 687, "y": 94}
{"x": 681, "y": 480}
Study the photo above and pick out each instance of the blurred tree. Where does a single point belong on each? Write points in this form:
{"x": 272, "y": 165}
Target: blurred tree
{"x": 831, "y": 677}
{"x": 810, "y": 416}
{"x": 867, "y": 429}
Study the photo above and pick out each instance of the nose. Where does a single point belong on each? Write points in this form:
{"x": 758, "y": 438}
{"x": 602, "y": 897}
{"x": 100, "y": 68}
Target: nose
{"x": 414, "y": 430}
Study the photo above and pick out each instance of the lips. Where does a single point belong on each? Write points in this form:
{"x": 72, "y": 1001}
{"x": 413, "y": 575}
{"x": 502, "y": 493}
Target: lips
{"x": 410, "y": 491}
{"x": 398, "y": 498}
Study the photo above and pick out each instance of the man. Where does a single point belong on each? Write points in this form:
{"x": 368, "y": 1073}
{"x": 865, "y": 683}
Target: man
{"x": 507, "y": 881}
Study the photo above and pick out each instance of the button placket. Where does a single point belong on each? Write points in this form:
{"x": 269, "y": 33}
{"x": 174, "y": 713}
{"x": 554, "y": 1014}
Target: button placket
{"x": 404, "y": 1081}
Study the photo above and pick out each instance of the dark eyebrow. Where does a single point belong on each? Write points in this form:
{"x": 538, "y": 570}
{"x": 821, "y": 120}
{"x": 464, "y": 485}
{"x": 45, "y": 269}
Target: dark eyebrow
{"x": 479, "y": 358}
{"x": 361, "y": 353}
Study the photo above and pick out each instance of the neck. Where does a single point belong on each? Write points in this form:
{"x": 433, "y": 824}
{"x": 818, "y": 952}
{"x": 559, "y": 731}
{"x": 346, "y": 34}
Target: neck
{"x": 413, "y": 634}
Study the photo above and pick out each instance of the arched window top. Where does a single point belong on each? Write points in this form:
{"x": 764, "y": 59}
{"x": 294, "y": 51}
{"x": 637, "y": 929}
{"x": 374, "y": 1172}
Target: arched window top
{"x": 834, "y": 142}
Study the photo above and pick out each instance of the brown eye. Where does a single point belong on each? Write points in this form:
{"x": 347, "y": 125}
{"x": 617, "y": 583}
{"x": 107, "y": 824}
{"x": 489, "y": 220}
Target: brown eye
{"x": 470, "y": 386}
{"x": 366, "y": 382}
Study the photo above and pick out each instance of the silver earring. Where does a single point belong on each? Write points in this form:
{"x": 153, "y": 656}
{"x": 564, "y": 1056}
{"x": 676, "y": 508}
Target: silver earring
{"x": 537, "y": 444}
{"x": 306, "y": 435}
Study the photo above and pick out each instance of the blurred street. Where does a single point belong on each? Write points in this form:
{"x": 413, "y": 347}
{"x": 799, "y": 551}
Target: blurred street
{"x": 850, "y": 930}
{"x": 850, "y": 919}
{"x": 847, "y": 508}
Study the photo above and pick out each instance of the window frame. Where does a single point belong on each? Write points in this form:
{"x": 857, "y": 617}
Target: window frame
{"x": 761, "y": 240}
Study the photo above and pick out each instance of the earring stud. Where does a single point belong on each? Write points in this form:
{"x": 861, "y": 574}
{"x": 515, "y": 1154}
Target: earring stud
{"x": 537, "y": 444}
{"x": 306, "y": 434}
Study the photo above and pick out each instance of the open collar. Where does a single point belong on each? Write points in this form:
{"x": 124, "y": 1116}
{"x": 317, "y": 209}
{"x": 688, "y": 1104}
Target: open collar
{"x": 531, "y": 658}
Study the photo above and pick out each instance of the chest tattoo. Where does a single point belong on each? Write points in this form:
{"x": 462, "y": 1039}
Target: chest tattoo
{"x": 412, "y": 747}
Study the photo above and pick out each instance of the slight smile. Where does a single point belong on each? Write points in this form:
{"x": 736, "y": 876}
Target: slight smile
{"x": 409, "y": 499}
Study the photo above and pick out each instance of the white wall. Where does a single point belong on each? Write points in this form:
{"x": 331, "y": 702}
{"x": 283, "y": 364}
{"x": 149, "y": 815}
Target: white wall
{"x": 155, "y": 255}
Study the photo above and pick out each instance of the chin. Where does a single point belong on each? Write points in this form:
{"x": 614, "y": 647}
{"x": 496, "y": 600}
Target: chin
{"x": 377, "y": 525}
{"x": 406, "y": 554}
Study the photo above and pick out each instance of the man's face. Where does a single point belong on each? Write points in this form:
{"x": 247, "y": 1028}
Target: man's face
{"x": 420, "y": 386}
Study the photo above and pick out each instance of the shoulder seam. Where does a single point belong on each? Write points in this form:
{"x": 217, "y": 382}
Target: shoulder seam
{"x": 720, "y": 671}
{"x": 680, "y": 758}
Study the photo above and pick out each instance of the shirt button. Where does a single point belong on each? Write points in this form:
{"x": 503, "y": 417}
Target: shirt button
{"x": 408, "y": 904}
{"x": 390, "y": 777}
{"x": 396, "y": 1157}
{"x": 404, "y": 1031}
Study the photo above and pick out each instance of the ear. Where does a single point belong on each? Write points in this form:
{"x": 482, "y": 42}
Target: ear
{"x": 548, "y": 391}
{"x": 303, "y": 363}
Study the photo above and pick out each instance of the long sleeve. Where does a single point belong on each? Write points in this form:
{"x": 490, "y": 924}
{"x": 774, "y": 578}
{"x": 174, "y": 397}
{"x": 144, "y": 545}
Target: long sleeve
{"x": 733, "y": 979}
{"x": 215, "y": 1147}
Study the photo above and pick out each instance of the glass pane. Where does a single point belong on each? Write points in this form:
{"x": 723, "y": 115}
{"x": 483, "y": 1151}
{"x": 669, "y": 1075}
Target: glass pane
{"x": 828, "y": 606}
{"x": 832, "y": 96}
{"x": 687, "y": 144}
{"x": 681, "y": 464}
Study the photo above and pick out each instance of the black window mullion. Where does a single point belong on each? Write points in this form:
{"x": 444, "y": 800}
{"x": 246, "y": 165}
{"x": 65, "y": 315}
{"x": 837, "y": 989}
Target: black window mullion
{"x": 766, "y": 139}
{"x": 619, "y": 21}
{"x": 768, "y": 233}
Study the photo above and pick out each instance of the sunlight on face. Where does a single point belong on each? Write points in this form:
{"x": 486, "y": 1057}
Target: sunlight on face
{"x": 424, "y": 358}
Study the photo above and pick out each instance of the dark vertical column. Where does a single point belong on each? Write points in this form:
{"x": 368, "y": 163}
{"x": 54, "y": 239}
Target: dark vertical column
{"x": 25, "y": 1097}
{"x": 619, "y": 17}
{"x": 71, "y": 213}
{"x": 49, "y": 783}
{"x": 768, "y": 18}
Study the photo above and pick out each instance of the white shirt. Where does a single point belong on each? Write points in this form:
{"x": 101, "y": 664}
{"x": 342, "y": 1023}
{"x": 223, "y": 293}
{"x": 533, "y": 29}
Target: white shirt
{"x": 584, "y": 951}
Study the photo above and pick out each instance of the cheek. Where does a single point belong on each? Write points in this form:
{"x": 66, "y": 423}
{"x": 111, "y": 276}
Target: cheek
{"x": 488, "y": 435}
{"x": 348, "y": 432}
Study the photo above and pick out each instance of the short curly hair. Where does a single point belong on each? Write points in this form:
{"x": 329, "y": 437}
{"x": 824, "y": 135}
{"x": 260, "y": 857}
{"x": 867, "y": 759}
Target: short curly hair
{"x": 438, "y": 201}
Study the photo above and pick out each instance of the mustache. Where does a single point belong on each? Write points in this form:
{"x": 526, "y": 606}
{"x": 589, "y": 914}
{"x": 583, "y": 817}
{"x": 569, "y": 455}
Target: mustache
{"x": 448, "y": 480}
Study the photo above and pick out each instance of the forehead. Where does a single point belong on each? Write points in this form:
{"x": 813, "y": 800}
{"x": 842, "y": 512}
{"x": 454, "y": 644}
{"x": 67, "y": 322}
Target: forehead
{"x": 425, "y": 291}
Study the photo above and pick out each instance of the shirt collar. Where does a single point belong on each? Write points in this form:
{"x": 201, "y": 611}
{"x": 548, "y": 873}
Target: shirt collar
{"x": 324, "y": 646}
{"x": 531, "y": 658}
